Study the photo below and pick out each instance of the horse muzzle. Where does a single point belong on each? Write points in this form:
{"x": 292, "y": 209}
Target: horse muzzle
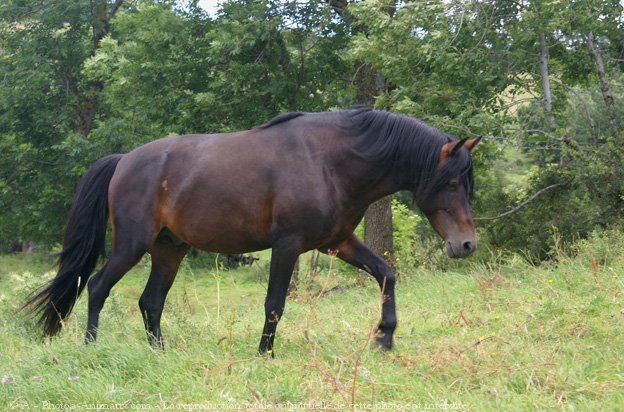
{"x": 460, "y": 249}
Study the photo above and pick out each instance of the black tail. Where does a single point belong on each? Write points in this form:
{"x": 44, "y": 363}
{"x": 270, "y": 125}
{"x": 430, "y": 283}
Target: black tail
{"x": 83, "y": 244}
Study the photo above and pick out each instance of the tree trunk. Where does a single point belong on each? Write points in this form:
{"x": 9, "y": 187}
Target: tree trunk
{"x": 378, "y": 217}
{"x": 543, "y": 61}
{"x": 101, "y": 26}
{"x": 605, "y": 87}
{"x": 378, "y": 228}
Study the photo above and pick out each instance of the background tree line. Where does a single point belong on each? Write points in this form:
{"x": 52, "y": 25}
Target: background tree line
{"x": 541, "y": 80}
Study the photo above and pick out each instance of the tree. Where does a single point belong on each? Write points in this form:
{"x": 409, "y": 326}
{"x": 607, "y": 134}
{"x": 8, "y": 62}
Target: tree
{"x": 46, "y": 100}
{"x": 82, "y": 79}
{"x": 168, "y": 73}
{"x": 543, "y": 61}
{"x": 589, "y": 181}
{"x": 605, "y": 87}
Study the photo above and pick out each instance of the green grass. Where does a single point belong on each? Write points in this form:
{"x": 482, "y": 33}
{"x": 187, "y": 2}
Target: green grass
{"x": 500, "y": 335}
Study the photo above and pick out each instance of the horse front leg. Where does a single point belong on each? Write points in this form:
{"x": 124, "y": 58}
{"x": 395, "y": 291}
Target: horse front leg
{"x": 354, "y": 252}
{"x": 283, "y": 258}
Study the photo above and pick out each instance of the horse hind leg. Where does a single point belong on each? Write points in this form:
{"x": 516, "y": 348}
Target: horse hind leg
{"x": 101, "y": 284}
{"x": 166, "y": 258}
{"x": 130, "y": 242}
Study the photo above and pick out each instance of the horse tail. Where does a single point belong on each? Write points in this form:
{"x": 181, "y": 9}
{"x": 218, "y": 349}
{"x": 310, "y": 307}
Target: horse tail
{"x": 83, "y": 244}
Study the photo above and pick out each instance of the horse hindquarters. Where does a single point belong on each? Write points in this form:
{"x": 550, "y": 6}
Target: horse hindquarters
{"x": 132, "y": 214}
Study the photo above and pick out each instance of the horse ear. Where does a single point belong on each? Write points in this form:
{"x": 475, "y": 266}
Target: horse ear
{"x": 450, "y": 149}
{"x": 458, "y": 145}
{"x": 470, "y": 144}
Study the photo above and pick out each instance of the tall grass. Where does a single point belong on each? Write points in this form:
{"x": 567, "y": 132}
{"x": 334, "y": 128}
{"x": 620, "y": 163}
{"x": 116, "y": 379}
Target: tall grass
{"x": 499, "y": 335}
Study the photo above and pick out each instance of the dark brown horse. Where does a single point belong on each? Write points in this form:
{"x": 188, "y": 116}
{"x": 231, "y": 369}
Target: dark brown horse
{"x": 299, "y": 182}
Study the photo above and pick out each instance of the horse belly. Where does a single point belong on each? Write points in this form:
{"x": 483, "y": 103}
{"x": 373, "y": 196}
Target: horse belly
{"x": 221, "y": 224}
{"x": 229, "y": 241}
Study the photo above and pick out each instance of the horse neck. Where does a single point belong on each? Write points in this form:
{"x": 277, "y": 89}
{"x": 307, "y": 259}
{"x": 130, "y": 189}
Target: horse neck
{"x": 365, "y": 184}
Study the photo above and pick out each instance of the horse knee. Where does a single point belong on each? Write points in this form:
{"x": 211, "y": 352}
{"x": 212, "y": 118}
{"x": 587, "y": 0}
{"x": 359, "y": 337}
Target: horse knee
{"x": 143, "y": 306}
{"x": 388, "y": 324}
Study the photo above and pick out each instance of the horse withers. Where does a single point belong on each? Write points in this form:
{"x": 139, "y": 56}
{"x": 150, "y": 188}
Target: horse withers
{"x": 302, "y": 181}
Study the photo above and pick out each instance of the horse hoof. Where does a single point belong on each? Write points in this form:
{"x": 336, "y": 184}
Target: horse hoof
{"x": 382, "y": 344}
{"x": 269, "y": 354}
{"x": 157, "y": 344}
{"x": 89, "y": 339}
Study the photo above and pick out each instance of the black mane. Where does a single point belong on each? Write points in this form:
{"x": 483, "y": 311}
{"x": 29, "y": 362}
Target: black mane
{"x": 396, "y": 140}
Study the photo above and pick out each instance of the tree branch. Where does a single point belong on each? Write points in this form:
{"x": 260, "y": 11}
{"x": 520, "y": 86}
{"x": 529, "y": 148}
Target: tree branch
{"x": 115, "y": 8}
{"x": 520, "y": 101}
{"x": 521, "y": 205}
{"x": 342, "y": 8}
{"x": 575, "y": 145}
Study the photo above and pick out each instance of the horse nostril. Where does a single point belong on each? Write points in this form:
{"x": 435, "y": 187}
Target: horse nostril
{"x": 468, "y": 247}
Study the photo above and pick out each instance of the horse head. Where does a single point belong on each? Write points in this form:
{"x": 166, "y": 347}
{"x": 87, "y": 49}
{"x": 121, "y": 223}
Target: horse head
{"x": 446, "y": 202}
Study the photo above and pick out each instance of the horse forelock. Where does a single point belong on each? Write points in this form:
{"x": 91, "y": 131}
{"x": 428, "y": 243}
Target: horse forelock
{"x": 459, "y": 165}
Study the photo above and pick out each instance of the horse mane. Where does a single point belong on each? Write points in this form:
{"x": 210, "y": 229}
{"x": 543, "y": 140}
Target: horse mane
{"x": 280, "y": 118}
{"x": 395, "y": 140}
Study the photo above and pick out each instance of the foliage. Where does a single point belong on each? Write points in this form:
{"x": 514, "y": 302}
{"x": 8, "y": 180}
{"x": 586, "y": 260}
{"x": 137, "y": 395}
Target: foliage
{"x": 41, "y": 52}
{"x": 170, "y": 74}
{"x": 586, "y": 160}
{"x": 404, "y": 222}
{"x": 161, "y": 70}
{"x": 428, "y": 51}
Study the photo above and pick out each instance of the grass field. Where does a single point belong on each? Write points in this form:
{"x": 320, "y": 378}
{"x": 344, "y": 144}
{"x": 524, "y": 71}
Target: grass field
{"x": 497, "y": 334}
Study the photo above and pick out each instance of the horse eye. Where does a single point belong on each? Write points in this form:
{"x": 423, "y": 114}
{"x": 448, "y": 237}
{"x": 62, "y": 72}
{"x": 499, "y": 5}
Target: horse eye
{"x": 453, "y": 185}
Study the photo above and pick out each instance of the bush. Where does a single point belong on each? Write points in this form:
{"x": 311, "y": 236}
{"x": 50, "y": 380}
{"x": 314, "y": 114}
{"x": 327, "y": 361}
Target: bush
{"x": 604, "y": 245}
{"x": 404, "y": 222}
